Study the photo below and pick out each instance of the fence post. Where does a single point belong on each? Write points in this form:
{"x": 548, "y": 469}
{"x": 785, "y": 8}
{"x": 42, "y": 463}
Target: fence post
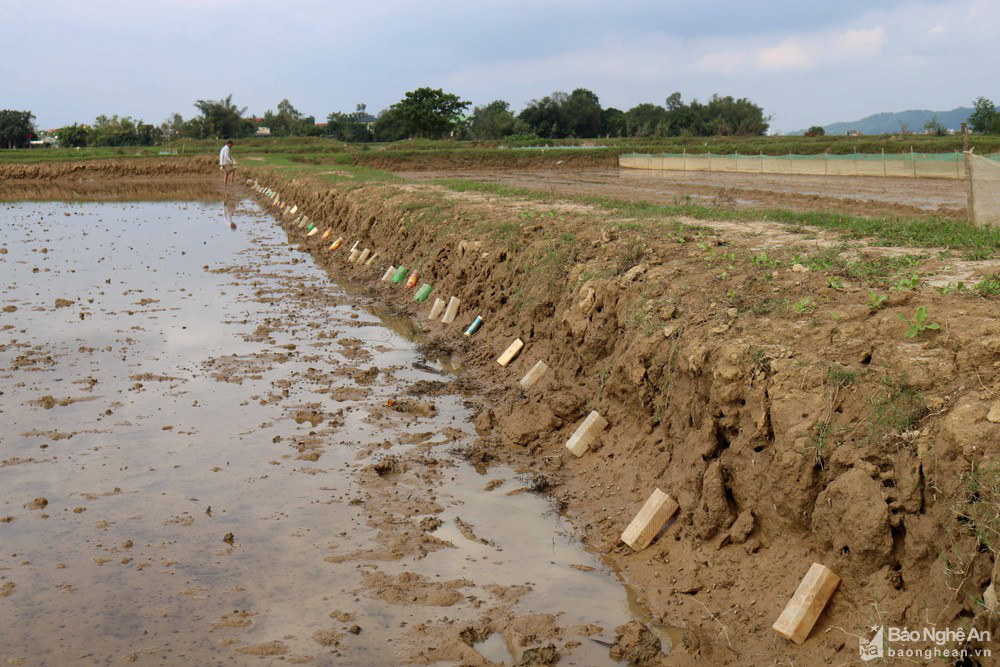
{"x": 684, "y": 159}
{"x": 762, "y": 161}
{"x": 826, "y": 162}
{"x": 913, "y": 164}
{"x": 710, "y": 160}
{"x": 855, "y": 160}
{"x": 791, "y": 165}
{"x": 958, "y": 174}
{"x": 883, "y": 161}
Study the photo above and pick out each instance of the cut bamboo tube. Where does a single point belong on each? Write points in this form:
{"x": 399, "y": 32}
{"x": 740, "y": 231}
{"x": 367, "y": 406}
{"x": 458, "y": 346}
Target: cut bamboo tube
{"x": 371, "y": 259}
{"x": 591, "y": 427}
{"x": 295, "y": 208}
{"x": 534, "y": 375}
{"x": 653, "y": 516}
{"x": 364, "y": 255}
{"x": 436, "y": 309}
{"x": 511, "y": 352}
{"x": 451, "y": 312}
{"x": 805, "y": 606}
{"x": 354, "y": 255}
{"x": 387, "y": 276}
{"x": 313, "y": 231}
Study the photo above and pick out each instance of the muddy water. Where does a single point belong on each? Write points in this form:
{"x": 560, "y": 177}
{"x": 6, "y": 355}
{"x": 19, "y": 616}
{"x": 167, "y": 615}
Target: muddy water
{"x": 199, "y": 414}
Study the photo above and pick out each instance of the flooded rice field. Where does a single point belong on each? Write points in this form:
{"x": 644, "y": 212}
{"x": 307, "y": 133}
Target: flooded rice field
{"x": 210, "y": 454}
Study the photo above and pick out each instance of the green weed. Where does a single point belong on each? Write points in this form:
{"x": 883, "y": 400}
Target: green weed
{"x": 919, "y": 323}
{"x": 876, "y": 301}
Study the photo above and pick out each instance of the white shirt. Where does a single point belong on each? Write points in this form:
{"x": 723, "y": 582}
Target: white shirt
{"x": 224, "y": 156}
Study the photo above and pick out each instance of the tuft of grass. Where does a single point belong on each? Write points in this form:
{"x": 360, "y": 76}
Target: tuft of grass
{"x": 978, "y": 506}
{"x": 895, "y": 408}
{"x": 841, "y": 377}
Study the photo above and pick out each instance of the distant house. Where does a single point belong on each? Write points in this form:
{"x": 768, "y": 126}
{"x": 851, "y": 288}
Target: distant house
{"x": 263, "y": 132}
{"x": 45, "y": 142}
{"x": 854, "y": 133}
{"x": 367, "y": 120}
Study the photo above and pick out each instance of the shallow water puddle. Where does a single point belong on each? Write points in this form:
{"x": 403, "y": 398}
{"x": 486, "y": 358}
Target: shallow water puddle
{"x": 231, "y": 459}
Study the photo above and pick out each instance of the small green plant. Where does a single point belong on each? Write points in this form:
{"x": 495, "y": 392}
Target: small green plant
{"x": 876, "y": 301}
{"x": 896, "y": 407}
{"x": 919, "y": 323}
{"x": 817, "y": 449}
{"x": 979, "y": 507}
{"x": 989, "y": 286}
{"x": 907, "y": 283}
{"x": 835, "y": 282}
{"x": 836, "y": 316}
{"x": 804, "y": 305}
{"x": 841, "y": 377}
{"x": 763, "y": 261}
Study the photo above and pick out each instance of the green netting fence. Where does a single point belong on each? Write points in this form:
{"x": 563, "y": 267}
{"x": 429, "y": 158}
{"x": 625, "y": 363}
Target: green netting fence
{"x": 904, "y": 164}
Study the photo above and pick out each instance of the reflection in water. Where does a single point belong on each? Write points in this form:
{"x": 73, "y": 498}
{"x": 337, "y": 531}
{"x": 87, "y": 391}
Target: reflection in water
{"x": 228, "y": 209}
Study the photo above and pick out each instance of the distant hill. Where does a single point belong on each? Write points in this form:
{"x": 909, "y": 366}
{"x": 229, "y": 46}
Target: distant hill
{"x": 889, "y": 123}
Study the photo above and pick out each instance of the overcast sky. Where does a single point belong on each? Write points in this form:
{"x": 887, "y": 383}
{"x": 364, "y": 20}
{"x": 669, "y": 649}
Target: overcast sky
{"x": 805, "y": 62}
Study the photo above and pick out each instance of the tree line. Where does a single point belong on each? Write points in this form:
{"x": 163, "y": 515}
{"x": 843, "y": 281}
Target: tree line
{"x": 421, "y": 113}
{"x": 435, "y": 114}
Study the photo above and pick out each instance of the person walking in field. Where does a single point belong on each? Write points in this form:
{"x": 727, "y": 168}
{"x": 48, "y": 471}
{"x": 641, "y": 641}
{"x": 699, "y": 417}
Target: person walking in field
{"x": 227, "y": 164}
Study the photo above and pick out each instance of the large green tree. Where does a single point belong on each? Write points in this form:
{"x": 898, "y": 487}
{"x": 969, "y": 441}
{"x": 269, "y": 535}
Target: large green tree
{"x": 289, "y": 121}
{"x": 985, "y": 118}
{"x": 16, "y": 128}
{"x": 429, "y": 112}
{"x": 73, "y": 136}
{"x": 353, "y": 127}
{"x": 125, "y": 131}
{"x": 220, "y": 119}
{"x": 495, "y": 121}
{"x": 389, "y": 126}
{"x": 545, "y": 117}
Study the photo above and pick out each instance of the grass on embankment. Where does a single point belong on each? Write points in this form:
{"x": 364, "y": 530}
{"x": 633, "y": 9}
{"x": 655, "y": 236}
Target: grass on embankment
{"x": 888, "y": 231}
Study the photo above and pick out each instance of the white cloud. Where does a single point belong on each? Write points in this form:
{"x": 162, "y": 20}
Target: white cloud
{"x": 791, "y": 54}
{"x": 937, "y": 29}
{"x": 860, "y": 43}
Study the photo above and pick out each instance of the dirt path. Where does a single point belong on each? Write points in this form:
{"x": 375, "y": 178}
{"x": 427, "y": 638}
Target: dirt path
{"x": 210, "y": 454}
{"x": 858, "y": 196}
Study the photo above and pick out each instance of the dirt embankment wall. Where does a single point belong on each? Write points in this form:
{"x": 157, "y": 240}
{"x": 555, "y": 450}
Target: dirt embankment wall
{"x": 786, "y": 438}
{"x": 103, "y": 169}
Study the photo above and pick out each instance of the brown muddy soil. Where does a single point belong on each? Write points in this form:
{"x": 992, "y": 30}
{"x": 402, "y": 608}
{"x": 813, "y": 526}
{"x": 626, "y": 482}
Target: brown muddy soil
{"x": 743, "y": 372}
{"x": 866, "y": 196}
{"x": 211, "y": 455}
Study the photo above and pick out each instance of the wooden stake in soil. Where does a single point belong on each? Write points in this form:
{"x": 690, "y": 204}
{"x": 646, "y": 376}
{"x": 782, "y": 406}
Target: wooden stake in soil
{"x": 534, "y": 375}
{"x": 810, "y": 598}
{"x": 511, "y": 352}
{"x": 653, "y": 516}
{"x": 451, "y": 312}
{"x": 436, "y": 309}
{"x": 354, "y": 255}
{"x": 371, "y": 259}
{"x": 364, "y": 255}
{"x": 588, "y": 431}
